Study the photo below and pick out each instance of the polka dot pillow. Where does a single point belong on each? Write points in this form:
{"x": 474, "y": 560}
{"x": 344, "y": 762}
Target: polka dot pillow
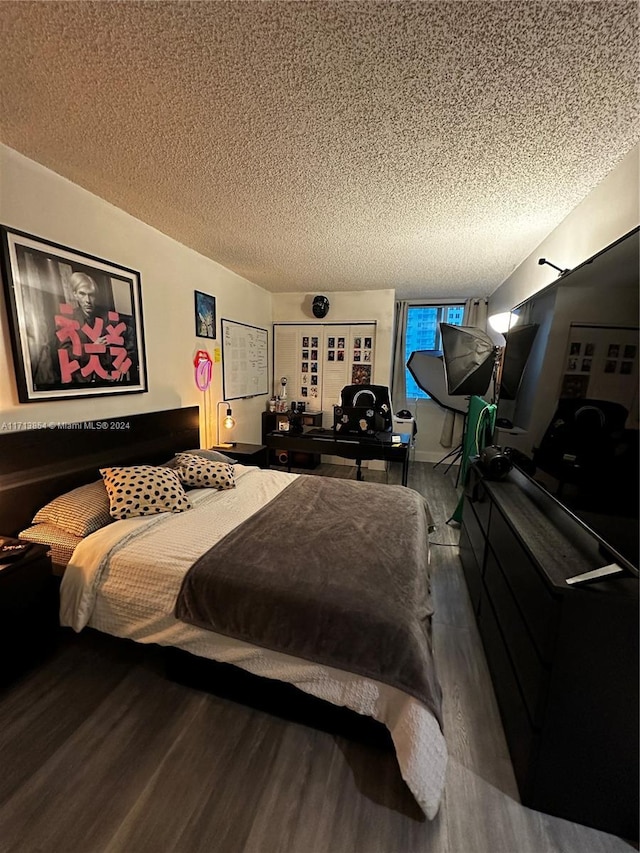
{"x": 143, "y": 490}
{"x": 200, "y": 473}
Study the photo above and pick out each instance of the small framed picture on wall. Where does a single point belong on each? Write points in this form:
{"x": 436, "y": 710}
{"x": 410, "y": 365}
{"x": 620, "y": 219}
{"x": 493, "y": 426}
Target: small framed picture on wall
{"x": 205, "y": 315}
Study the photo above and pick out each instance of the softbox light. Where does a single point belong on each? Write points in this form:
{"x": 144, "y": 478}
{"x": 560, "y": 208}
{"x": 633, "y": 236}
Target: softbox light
{"x": 469, "y": 359}
{"x": 516, "y": 353}
{"x": 427, "y": 368}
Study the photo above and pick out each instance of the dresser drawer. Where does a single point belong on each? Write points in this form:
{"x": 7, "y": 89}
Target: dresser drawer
{"x": 472, "y": 571}
{"x": 476, "y": 533}
{"x": 481, "y": 504}
{"x": 531, "y": 673}
{"x": 539, "y": 608}
{"x": 518, "y": 730}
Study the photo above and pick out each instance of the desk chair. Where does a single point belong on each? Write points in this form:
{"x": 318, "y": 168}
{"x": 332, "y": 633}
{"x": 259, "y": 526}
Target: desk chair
{"x": 376, "y": 397}
{"x": 585, "y": 444}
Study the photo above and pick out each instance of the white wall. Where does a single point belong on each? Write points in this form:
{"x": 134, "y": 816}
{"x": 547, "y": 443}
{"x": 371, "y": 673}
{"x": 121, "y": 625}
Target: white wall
{"x": 430, "y": 419}
{"x": 40, "y": 202}
{"x": 610, "y": 210}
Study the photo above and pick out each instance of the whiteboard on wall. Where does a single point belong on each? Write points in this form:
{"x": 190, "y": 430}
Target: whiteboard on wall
{"x": 244, "y": 360}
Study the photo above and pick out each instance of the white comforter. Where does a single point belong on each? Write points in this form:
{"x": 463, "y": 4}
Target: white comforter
{"x": 125, "y": 578}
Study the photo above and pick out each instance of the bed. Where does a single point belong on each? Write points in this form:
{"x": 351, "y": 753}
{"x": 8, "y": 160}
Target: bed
{"x": 134, "y": 577}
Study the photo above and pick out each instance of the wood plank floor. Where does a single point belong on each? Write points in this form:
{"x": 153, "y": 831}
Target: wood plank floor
{"x": 99, "y": 753}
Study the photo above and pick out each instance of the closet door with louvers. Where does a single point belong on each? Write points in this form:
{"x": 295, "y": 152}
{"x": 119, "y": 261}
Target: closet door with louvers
{"x": 347, "y": 361}
{"x": 298, "y": 357}
{"x": 319, "y": 360}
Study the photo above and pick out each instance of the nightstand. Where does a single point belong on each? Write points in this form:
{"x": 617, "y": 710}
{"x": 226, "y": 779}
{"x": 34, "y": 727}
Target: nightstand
{"x": 28, "y": 612}
{"x": 246, "y": 454}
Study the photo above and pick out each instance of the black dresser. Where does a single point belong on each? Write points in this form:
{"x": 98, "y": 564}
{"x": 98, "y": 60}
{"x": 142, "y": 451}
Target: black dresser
{"x": 563, "y": 659}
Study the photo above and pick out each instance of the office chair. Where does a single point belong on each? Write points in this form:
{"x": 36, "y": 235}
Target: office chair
{"x": 582, "y": 443}
{"x": 376, "y": 397}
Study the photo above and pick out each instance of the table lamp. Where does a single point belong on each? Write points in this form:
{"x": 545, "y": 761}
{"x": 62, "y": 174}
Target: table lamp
{"x": 228, "y": 423}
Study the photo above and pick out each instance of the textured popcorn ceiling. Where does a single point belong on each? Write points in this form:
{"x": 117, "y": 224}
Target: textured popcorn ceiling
{"x": 324, "y": 146}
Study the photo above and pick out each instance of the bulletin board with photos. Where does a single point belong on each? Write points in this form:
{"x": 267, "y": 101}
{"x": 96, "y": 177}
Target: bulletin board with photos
{"x": 319, "y": 360}
{"x": 601, "y": 363}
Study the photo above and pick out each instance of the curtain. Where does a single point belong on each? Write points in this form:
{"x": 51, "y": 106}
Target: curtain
{"x": 475, "y": 314}
{"x": 398, "y": 375}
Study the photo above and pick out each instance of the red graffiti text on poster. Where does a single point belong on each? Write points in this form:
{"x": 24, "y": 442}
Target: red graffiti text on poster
{"x": 102, "y": 338}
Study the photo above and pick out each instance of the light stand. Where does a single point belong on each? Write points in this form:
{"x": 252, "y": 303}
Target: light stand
{"x": 428, "y": 371}
{"x": 466, "y": 367}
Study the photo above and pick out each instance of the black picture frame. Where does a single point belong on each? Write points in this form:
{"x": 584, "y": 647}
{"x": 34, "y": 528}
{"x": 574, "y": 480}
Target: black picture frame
{"x": 75, "y": 321}
{"x": 205, "y": 315}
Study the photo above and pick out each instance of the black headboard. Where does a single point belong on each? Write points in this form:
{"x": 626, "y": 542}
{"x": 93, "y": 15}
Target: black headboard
{"x": 36, "y": 465}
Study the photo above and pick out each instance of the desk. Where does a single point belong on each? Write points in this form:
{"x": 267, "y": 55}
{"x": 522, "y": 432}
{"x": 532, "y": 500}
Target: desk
{"x": 349, "y": 447}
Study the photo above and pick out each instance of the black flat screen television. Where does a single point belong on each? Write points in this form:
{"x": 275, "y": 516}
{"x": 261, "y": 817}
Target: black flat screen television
{"x": 576, "y": 407}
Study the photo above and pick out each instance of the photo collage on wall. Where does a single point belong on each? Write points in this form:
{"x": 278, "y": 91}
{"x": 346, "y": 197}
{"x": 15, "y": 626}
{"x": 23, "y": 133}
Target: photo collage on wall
{"x": 359, "y": 357}
{"x": 620, "y": 359}
{"x": 576, "y": 379}
{"x": 336, "y": 348}
{"x": 584, "y": 357}
{"x": 309, "y": 361}
{"x": 362, "y": 358}
{"x": 580, "y": 358}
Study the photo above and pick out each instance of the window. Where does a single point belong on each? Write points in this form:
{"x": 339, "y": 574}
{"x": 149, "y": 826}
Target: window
{"x": 423, "y": 332}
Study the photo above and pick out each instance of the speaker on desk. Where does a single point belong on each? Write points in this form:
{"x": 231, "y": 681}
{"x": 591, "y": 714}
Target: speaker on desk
{"x": 295, "y": 459}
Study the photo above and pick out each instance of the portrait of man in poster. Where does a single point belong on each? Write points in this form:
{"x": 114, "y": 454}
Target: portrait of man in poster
{"x": 76, "y": 323}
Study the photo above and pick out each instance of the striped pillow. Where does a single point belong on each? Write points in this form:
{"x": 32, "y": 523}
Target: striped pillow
{"x": 211, "y": 455}
{"x": 81, "y": 511}
{"x": 62, "y": 544}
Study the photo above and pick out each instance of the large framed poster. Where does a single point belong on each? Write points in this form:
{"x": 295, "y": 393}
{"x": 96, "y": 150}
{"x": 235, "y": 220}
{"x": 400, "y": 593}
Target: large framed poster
{"x": 75, "y": 321}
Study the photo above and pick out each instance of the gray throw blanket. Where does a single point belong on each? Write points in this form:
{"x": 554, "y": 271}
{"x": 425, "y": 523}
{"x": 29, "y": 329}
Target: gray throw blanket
{"x": 332, "y": 571}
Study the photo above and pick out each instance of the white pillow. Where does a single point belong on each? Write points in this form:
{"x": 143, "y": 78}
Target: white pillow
{"x": 143, "y": 490}
{"x": 197, "y": 472}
